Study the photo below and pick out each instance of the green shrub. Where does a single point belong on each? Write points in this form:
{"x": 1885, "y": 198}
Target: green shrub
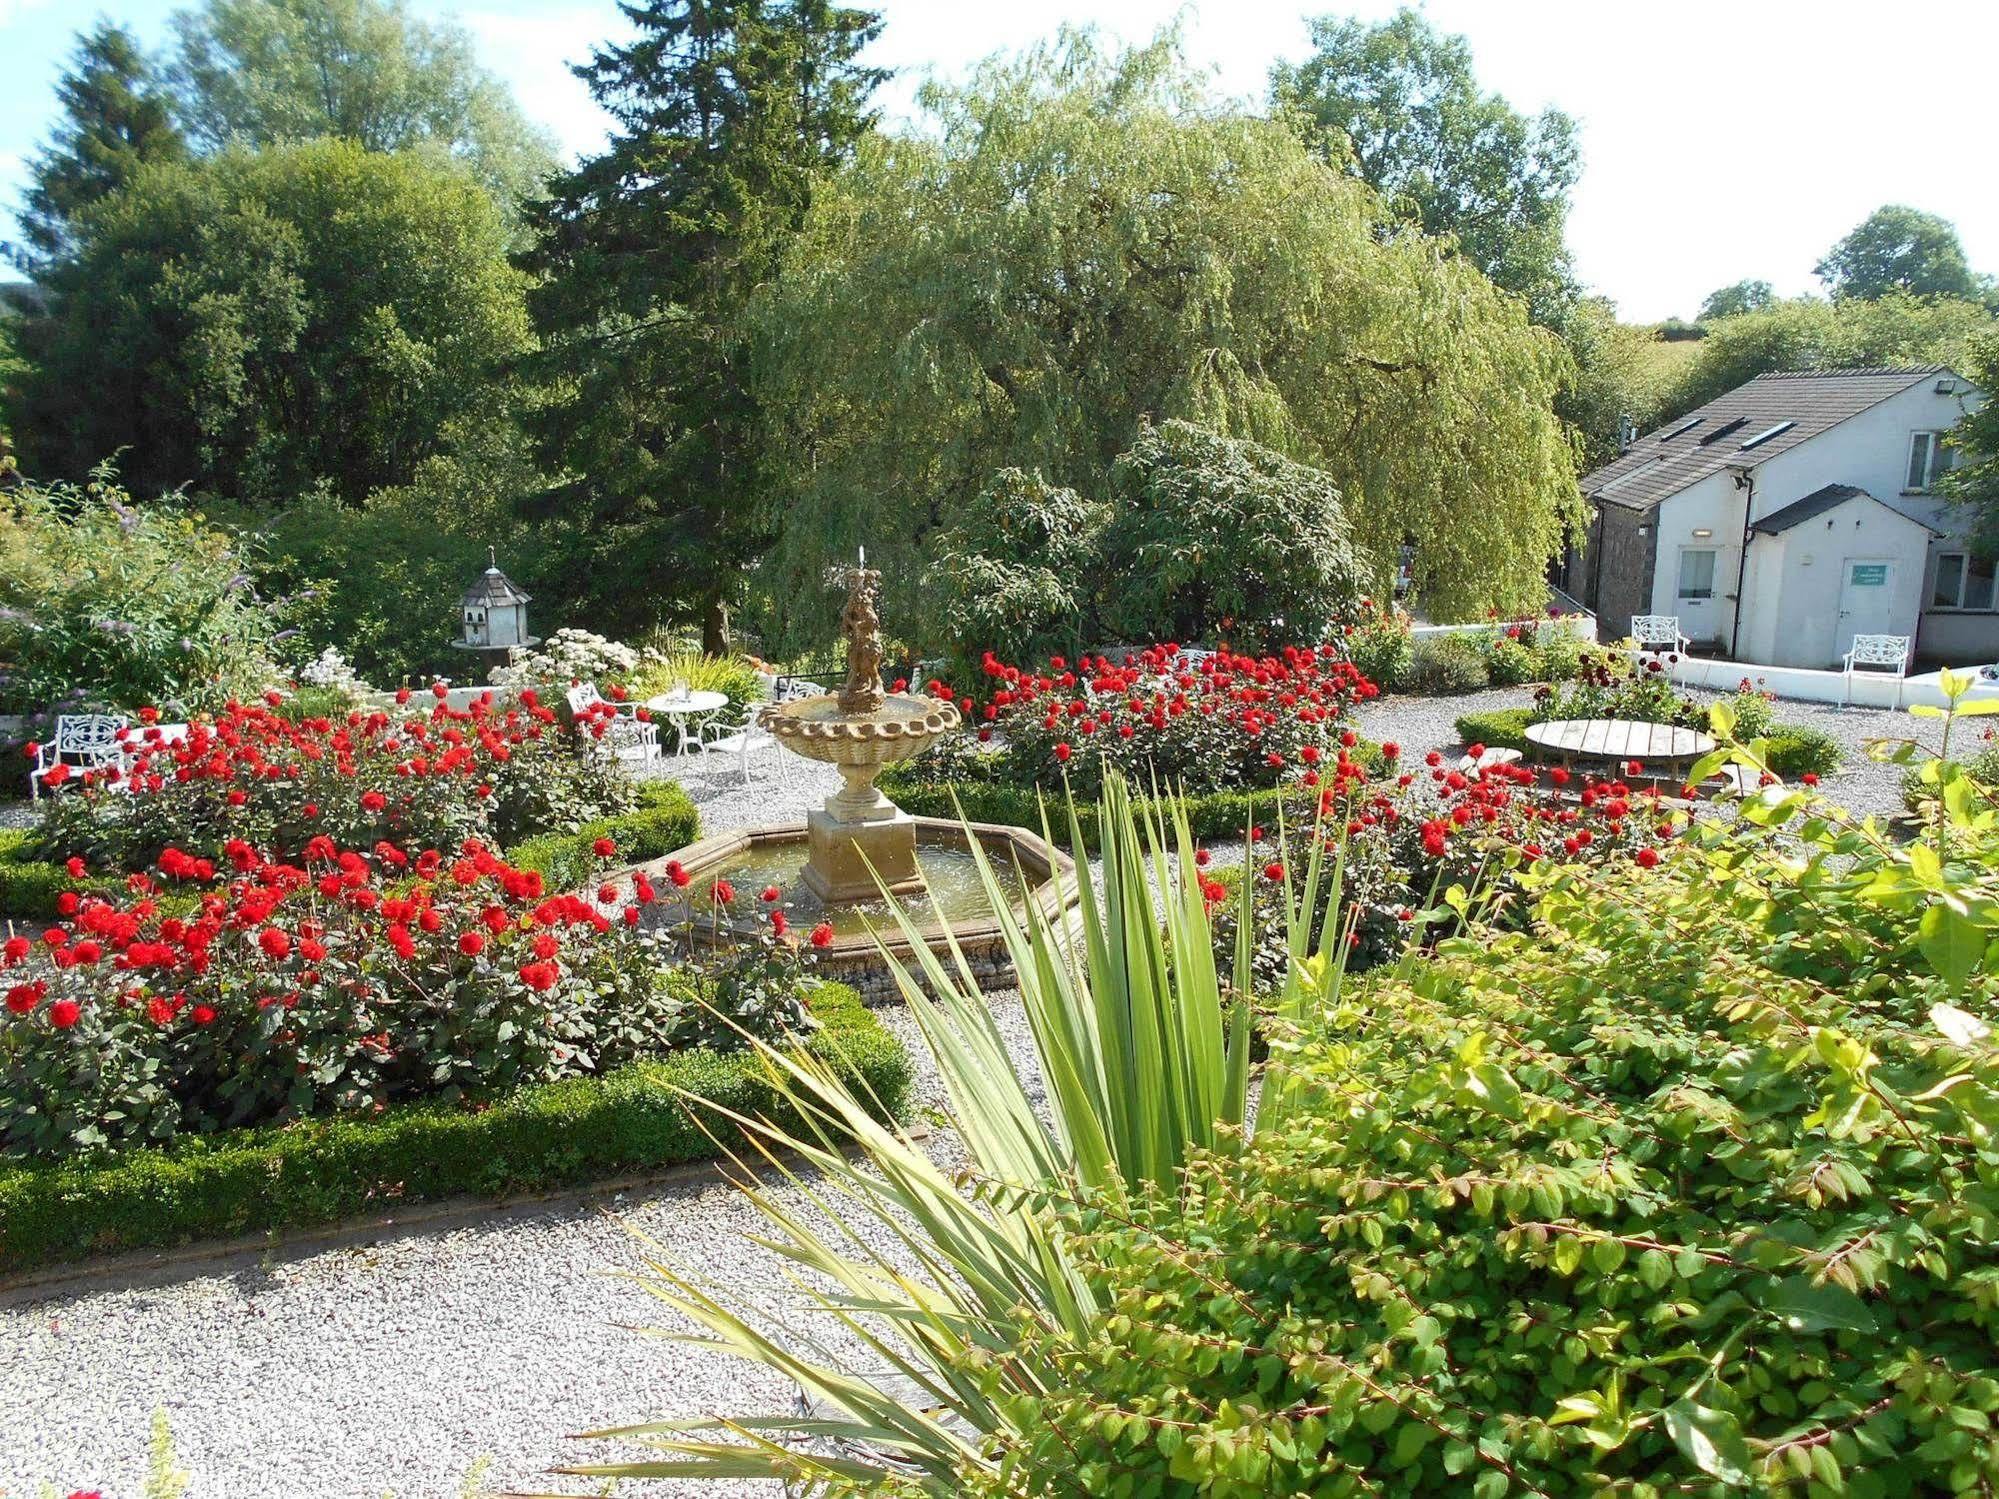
{"x": 1497, "y": 728}
{"x": 108, "y": 604}
{"x": 1508, "y": 663}
{"x": 1446, "y": 665}
{"x": 1558, "y": 653}
{"x": 1381, "y": 648}
{"x": 1794, "y": 750}
{"x": 29, "y": 887}
{"x": 665, "y": 819}
{"x": 319, "y": 1171}
{"x": 1982, "y": 765}
{"x": 1689, "y": 1190}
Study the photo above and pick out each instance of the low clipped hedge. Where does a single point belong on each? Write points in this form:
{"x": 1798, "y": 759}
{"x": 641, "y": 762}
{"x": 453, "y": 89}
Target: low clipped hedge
{"x": 1215, "y": 814}
{"x": 1496, "y": 728}
{"x": 320, "y": 1171}
{"x": 29, "y": 886}
{"x": 664, "y": 820}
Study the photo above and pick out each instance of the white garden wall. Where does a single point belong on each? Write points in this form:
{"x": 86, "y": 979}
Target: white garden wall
{"x": 1869, "y": 689}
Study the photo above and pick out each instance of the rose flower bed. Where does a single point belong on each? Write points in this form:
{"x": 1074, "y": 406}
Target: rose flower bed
{"x": 1226, "y": 731}
{"x": 425, "y": 775}
{"x": 314, "y": 1036}
{"x": 1407, "y": 839}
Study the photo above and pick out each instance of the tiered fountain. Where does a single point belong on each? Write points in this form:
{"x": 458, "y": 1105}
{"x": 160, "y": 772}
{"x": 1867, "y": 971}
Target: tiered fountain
{"x": 828, "y": 865}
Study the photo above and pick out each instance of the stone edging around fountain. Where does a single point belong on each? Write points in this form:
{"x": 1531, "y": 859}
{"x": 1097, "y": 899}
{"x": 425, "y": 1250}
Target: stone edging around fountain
{"x": 856, "y": 960}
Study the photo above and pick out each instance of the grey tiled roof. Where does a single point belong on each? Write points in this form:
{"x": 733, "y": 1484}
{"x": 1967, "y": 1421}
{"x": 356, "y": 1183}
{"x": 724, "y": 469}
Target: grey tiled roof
{"x": 1666, "y": 461}
{"x": 1818, "y": 502}
{"x": 494, "y": 590}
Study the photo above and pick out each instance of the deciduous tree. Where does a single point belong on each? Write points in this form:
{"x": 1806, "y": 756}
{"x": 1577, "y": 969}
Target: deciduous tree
{"x": 1083, "y": 244}
{"x": 260, "y": 72}
{"x": 260, "y": 321}
{"x": 1733, "y": 301}
{"x": 1397, "y": 105}
{"x": 1897, "y": 248}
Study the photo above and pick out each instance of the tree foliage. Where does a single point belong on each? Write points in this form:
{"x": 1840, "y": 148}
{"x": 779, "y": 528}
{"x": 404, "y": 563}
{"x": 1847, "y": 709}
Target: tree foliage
{"x": 1806, "y": 333}
{"x": 729, "y": 112}
{"x": 1975, "y": 480}
{"x": 1732, "y": 301}
{"x": 1897, "y": 248}
{"x": 1082, "y": 245}
{"x": 266, "y": 72}
{"x": 1396, "y": 104}
{"x": 258, "y": 322}
{"x": 115, "y": 118}
{"x": 1017, "y": 568}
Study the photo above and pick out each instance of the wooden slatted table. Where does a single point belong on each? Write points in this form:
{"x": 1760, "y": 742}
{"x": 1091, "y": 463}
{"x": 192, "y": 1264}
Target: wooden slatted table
{"x": 1615, "y": 740}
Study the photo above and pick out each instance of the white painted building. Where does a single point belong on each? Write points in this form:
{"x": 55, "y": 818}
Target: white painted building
{"x": 1790, "y": 515}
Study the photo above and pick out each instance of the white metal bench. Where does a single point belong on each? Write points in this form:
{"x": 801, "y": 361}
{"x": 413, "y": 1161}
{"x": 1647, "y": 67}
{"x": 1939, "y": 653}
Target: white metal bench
{"x": 1657, "y": 633}
{"x": 85, "y": 742}
{"x": 628, "y": 737}
{"x": 1888, "y": 652}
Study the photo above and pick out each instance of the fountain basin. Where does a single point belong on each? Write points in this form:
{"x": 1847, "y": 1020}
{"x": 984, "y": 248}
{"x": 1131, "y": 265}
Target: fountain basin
{"x": 952, "y": 900}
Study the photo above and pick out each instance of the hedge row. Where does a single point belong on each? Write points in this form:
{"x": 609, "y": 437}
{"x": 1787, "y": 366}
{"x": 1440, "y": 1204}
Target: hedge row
{"x": 1219, "y": 814}
{"x": 28, "y": 886}
{"x": 323, "y": 1170}
{"x": 664, "y": 820}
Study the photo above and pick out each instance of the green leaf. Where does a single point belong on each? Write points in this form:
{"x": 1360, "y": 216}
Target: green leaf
{"x": 1952, "y": 941}
{"x": 1710, "y": 1439}
{"x": 1959, "y": 1026}
{"x": 1804, "y": 1307}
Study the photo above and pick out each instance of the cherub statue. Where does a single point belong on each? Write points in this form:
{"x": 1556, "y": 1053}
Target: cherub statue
{"x": 863, "y": 692}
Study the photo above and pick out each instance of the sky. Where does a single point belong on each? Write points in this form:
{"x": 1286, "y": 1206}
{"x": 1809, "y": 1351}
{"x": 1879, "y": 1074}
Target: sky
{"x": 1721, "y": 141}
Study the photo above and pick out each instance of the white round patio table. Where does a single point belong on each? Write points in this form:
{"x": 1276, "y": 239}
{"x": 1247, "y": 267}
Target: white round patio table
{"x": 1615, "y": 740}
{"x": 686, "y": 709}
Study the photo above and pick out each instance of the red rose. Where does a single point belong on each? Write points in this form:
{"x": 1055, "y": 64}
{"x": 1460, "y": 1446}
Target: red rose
{"x": 1273, "y": 871}
{"x": 24, "y": 997}
{"x": 65, "y": 1013}
{"x": 471, "y": 944}
{"x": 373, "y": 801}
{"x": 204, "y": 1014}
{"x": 75, "y": 866}
{"x": 1810, "y": 778}
{"x": 603, "y": 848}
{"x": 1201, "y": 857}
{"x": 772, "y": 895}
{"x": 276, "y": 944}
{"x": 1063, "y": 751}
{"x": 721, "y": 892}
{"x": 540, "y": 977}
{"x": 1390, "y": 749}
{"x": 778, "y": 925}
{"x": 822, "y": 935}
{"x": 1648, "y": 858}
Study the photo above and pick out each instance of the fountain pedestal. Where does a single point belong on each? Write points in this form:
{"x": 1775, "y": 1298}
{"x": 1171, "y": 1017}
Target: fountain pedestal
{"x": 857, "y": 836}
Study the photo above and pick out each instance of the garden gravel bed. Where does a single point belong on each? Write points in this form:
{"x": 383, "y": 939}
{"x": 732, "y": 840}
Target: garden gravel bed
{"x": 1863, "y": 786}
{"x": 394, "y": 1365}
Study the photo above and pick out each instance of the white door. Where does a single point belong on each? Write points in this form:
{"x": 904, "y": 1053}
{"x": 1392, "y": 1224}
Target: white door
{"x": 1866, "y": 601}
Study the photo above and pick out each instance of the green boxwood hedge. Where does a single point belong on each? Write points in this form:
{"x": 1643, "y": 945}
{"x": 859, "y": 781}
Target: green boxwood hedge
{"x": 29, "y": 886}
{"x": 1496, "y": 728}
{"x": 1216, "y": 814}
{"x": 320, "y": 1171}
{"x": 665, "y": 819}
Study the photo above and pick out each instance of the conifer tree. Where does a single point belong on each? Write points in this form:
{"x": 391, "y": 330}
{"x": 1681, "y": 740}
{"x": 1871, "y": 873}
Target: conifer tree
{"x": 729, "y": 112}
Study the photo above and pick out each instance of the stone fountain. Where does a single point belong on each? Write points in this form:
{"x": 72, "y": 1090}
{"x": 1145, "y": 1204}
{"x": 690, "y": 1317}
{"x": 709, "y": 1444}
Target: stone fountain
{"x": 859, "y": 835}
{"x": 824, "y": 868}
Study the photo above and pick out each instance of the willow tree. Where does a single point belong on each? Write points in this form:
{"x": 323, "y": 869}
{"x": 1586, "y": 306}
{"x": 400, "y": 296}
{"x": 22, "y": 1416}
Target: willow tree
{"x": 1083, "y": 244}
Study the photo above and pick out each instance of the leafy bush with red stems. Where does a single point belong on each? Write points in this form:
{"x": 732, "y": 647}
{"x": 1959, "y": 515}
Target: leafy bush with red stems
{"x": 341, "y": 982}
{"x": 423, "y": 775}
{"x": 1224, "y": 722}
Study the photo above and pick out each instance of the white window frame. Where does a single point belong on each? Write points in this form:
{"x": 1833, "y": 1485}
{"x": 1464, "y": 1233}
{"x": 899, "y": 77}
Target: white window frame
{"x": 1960, "y": 563}
{"x": 1937, "y": 460}
{"x": 1680, "y": 578}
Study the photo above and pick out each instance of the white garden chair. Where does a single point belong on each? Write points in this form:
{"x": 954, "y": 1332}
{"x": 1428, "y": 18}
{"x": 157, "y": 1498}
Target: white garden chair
{"x": 1888, "y": 652}
{"x": 85, "y": 742}
{"x": 1657, "y": 633}
{"x": 752, "y": 739}
{"x": 629, "y": 738}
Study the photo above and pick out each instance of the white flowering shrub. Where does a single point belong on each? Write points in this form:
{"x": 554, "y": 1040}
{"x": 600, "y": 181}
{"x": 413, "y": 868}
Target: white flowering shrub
{"x": 330, "y": 671}
{"x": 569, "y": 656}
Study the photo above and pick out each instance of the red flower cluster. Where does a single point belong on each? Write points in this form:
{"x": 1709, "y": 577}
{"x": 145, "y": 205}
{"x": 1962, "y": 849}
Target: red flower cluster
{"x": 1204, "y": 721}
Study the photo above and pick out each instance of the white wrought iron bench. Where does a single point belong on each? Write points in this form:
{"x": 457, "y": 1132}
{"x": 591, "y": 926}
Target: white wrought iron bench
{"x": 83, "y": 742}
{"x": 1890, "y": 653}
{"x": 1657, "y": 633}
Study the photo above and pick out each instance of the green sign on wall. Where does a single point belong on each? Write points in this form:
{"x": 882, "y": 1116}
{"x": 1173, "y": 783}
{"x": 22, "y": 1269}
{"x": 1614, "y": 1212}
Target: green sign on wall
{"x": 1867, "y": 574}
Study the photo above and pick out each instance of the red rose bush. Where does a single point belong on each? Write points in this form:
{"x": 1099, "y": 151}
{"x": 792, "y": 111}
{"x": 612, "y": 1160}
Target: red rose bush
{"x": 1213, "y": 722}
{"x": 420, "y": 775}
{"x": 340, "y": 982}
